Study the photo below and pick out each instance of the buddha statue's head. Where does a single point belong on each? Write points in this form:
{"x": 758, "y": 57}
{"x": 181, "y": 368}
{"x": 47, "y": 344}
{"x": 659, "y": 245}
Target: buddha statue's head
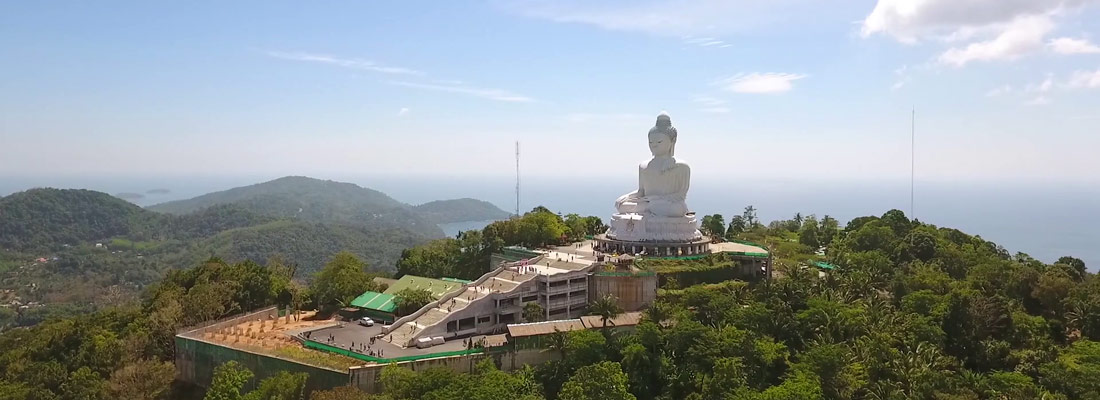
{"x": 662, "y": 137}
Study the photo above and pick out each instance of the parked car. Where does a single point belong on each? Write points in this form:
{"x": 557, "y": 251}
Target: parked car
{"x": 366, "y": 321}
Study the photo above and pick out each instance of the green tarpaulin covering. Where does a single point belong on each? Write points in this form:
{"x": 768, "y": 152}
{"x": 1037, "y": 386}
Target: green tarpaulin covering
{"x": 375, "y": 301}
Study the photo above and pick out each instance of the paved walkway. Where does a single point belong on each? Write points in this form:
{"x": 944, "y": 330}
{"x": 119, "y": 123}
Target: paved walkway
{"x": 357, "y": 338}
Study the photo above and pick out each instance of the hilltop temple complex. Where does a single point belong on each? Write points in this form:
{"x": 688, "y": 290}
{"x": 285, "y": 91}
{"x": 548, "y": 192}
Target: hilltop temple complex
{"x": 491, "y": 316}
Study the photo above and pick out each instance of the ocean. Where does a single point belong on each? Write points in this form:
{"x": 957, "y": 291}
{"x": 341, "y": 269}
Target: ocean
{"x": 1045, "y": 221}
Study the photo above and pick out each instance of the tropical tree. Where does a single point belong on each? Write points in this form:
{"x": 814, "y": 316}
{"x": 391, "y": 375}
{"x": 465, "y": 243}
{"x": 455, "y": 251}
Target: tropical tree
{"x": 533, "y": 312}
{"x": 341, "y": 280}
{"x": 409, "y": 300}
{"x": 714, "y": 225}
{"x": 602, "y": 381}
{"x": 281, "y": 386}
{"x": 808, "y": 234}
{"x": 228, "y": 380}
{"x": 750, "y": 217}
{"x": 144, "y": 379}
{"x": 737, "y": 225}
{"x": 607, "y": 307}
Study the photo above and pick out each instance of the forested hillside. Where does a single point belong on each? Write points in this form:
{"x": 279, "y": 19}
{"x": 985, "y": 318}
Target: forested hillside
{"x": 460, "y": 210}
{"x": 44, "y": 218}
{"x": 66, "y": 250}
{"x": 315, "y": 200}
{"x": 911, "y": 311}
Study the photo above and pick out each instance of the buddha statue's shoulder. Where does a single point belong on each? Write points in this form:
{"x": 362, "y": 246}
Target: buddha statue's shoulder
{"x": 680, "y": 164}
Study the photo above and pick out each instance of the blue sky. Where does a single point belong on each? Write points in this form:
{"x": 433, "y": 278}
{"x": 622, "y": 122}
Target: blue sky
{"x": 1005, "y": 90}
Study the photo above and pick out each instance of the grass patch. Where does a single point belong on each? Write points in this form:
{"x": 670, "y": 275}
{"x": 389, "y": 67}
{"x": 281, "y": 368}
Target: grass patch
{"x": 318, "y": 358}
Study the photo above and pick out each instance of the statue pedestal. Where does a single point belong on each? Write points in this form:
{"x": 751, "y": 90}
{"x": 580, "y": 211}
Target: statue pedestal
{"x": 633, "y": 227}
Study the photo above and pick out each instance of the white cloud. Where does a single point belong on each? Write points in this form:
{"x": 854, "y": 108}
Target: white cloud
{"x": 903, "y": 77}
{"x": 614, "y": 118}
{"x": 706, "y": 42}
{"x": 913, "y": 20}
{"x": 1041, "y": 100}
{"x": 1073, "y": 46}
{"x": 403, "y": 112}
{"x": 1085, "y": 80}
{"x": 1020, "y": 37}
{"x": 1043, "y": 87}
{"x": 769, "y": 82}
{"x": 986, "y": 30}
{"x": 712, "y": 105}
{"x": 353, "y": 63}
{"x": 666, "y": 17}
{"x": 485, "y": 93}
{"x": 1000, "y": 91}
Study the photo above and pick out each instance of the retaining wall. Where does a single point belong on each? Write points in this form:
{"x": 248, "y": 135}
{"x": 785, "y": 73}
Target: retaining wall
{"x": 366, "y": 377}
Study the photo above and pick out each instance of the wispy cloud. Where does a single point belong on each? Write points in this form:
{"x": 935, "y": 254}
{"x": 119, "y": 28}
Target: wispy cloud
{"x": 978, "y": 30}
{"x": 614, "y": 118}
{"x": 903, "y": 77}
{"x": 760, "y": 83}
{"x": 1084, "y": 80}
{"x": 485, "y": 93}
{"x": 712, "y": 105}
{"x": 706, "y": 42}
{"x": 403, "y": 112}
{"x": 1073, "y": 46}
{"x": 353, "y": 63}
{"x": 665, "y": 17}
{"x": 999, "y": 91}
{"x": 1020, "y": 37}
{"x": 1040, "y": 100}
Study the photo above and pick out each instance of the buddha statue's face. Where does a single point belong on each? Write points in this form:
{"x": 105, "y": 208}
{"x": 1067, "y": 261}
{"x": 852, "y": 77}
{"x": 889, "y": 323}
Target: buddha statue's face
{"x": 660, "y": 144}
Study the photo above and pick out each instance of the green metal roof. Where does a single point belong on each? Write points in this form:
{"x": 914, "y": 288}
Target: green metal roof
{"x": 824, "y": 265}
{"x": 375, "y": 301}
{"x": 438, "y": 287}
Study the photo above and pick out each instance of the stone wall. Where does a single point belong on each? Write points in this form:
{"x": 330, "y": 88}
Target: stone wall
{"x": 634, "y": 292}
{"x": 196, "y": 360}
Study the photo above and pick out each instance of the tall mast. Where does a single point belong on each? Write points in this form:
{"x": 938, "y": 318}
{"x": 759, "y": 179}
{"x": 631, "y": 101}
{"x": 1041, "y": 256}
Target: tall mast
{"x": 517, "y": 178}
{"x": 912, "y": 162}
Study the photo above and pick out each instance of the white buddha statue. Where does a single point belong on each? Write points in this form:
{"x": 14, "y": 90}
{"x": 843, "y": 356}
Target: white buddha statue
{"x": 657, "y": 211}
{"x": 662, "y": 181}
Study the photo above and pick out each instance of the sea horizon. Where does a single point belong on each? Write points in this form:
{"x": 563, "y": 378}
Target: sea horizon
{"x": 1044, "y": 220}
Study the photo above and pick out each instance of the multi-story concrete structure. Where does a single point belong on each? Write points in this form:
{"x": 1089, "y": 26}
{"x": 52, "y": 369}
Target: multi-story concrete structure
{"x": 559, "y": 283}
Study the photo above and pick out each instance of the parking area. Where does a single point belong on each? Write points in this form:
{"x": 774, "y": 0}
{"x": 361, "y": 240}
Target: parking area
{"x": 356, "y": 338}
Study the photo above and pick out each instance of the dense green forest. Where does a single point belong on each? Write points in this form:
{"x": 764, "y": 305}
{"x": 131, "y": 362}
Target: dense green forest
{"x": 467, "y": 256}
{"x": 125, "y": 351}
{"x": 913, "y": 311}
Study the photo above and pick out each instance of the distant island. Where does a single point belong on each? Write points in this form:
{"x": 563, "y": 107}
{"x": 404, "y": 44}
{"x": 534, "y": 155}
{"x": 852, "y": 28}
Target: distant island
{"x": 158, "y": 191}
{"x": 130, "y": 196}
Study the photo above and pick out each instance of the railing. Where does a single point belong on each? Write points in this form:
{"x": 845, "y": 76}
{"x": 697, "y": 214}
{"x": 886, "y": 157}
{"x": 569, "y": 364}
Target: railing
{"x": 443, "y": 299}
{"x": 247, "y": 315}
{"x": 360, "y": 356}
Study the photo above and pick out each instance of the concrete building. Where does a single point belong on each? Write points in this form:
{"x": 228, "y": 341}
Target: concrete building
{"x": 495, "y": 300}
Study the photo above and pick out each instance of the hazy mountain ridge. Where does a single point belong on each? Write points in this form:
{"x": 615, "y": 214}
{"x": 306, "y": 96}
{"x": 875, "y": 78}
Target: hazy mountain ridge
{"x": 461, "y": 210}
{"x": 315, "y": 200}
{"x": 301, "y": 220}
{"x": 46, "y": 217}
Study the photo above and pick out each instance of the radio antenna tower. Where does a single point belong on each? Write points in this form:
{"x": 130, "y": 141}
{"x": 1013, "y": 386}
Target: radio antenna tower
{"x": 517, "y": 178}
{"x": 912, "y": 163}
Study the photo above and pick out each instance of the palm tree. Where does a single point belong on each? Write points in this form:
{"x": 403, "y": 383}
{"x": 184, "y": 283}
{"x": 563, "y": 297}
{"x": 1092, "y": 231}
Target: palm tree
{"x": 606, "y": 307}
{"x": 533, "y": 312}
{"x": 557, "y": 342}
